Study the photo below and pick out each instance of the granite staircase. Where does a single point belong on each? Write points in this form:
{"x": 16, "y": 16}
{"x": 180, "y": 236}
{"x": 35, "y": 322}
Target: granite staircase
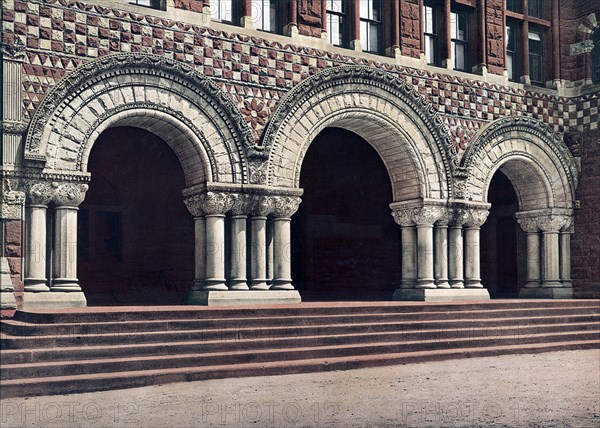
{"x": 92, "y": 349}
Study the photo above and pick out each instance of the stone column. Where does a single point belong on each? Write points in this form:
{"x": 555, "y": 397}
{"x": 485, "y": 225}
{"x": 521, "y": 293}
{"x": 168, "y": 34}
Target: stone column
{"x": 215, "y": 205}
{"x": 68, "y": 197}
{"x": 440, "y": 246}
{"x": 409, "y": 247}
{"x": 424, "y": 218}
{"x": 551, "y": 226}
{"x": 239, "y": 212}
{"x": 565, "y": 254}
{"x": 530, "y": 226}
{"x": 283, "y": 208}
{"x": 39, "y": 195}
{"x": 456, "y": 250}
{"x": 475, "y": 218}
{"x": 194, "y": 206}
{"x": 261, "y": 207}
{"x": 270, "y": 252}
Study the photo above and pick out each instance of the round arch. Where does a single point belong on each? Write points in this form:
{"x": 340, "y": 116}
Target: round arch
{"x": 387, "y": 112}
{"x": 166, "y": 97}
{"x": 535, "y": 160}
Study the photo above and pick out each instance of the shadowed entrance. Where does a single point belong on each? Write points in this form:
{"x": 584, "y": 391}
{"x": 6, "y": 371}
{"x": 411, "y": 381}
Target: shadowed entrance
{"x": 346, "y": 245}
{"x": 136, "y": 238}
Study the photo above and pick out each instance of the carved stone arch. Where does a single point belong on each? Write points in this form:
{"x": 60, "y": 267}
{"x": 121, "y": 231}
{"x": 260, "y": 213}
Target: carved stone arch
{"x": 530, "y": 154}
{"x": 387, "y": 112}
{"x": 186, "y": 109}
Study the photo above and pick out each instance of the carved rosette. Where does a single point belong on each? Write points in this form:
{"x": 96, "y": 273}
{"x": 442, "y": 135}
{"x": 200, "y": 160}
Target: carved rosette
{"x": 70, "y": 194}
{"x": 261, "y": 206}
{"x": 40, "y": 192}
{"x": 553, "y": 222}
{"x": 241, "y": 204}
{"x": 216, "y": 203}
{"x": 285, "y": 206}
{"x": 475, "y": 217}
{"x": 194, "y": 205}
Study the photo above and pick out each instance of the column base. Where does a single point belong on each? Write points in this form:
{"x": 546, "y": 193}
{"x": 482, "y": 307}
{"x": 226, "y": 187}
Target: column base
{"x": 282, "y": 284}
{"x": 552, "y": 284}
{"x": 234, "y": 298}
{"x": 54, "y": 300}
{"x": 457, "y": 284}
{"x": 238, "y": 284}
{"x": 442, "y": 295}
{"x": 443, "y": 284}
{"x": 65, "y": 285}
{"x": 473, "y": 283}
{"x": 259, "y": 284}
{"x": 425, "y": 284}
{"x": 546, "y": 293}
{"x": 215, "y": 285}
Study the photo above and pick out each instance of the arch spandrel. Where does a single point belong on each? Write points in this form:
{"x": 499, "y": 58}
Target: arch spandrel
{"x": 530, "y": 154}
{"x": 195, "y": 117}
{"x": 387, "y": 112}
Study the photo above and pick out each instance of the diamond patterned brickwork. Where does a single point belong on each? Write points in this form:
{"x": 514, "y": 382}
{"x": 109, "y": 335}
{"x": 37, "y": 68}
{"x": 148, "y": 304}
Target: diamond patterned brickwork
{"x": 60, "y": 35}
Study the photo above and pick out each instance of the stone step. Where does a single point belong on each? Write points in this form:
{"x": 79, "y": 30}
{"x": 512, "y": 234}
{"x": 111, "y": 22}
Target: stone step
{"x": 117, "y": 380}
{"x": 326, "y": 335}
{"x": 122, "y": 314}
{"x": 310, "y": 326}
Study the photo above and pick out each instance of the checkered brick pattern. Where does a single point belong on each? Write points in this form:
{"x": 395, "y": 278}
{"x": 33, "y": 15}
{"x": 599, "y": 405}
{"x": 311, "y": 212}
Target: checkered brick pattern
{"x": 60, "y": 35}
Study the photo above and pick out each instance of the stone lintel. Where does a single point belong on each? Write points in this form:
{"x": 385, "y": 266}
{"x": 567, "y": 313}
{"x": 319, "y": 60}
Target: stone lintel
{"x": 238, "y": 298}
{"x": 546, "y": 293}
{"x": 54, "y": 300}
{"x": 442, "y": 295}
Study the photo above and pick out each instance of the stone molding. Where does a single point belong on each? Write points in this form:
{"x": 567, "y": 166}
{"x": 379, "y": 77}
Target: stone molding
{"x": 67, "y": 194}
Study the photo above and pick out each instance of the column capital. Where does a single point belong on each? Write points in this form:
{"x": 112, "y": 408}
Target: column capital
{"x": 40, "y": 192}
{"x": 242, "y": 204}
{"x": 216, "y": 203}
{"x": 194, "y": 205}
{"x": 475, "y": 217}
{"x": 285, "y": 206}
{"x": 11, "y": 201}
{"x": 546, "y": 220}
{"x": 403, "y": 216}
{"x": 69, "y": 194}
{"x": 420, "y": 215}
{"x": 553, "y": 223}
{"x": 528, "y": 224}
{"x": 260, "y": 205}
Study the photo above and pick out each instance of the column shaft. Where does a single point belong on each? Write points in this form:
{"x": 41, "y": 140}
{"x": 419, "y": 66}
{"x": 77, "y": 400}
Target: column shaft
{"x": 282, "y": 266}
{"x": 472, "y": 258}
{"x": 533, "y": 260}
{"x": 409, "y": 257}
{"x": 565, "y": 259}
{"x": 238, "y": 253}
{"x": 199, "y": 252}
{"x": 441, "y": 256}
{"x": 425, "y": 256}
{"x": 65, "y": 249}
{"x": 35, "y": 258}
{"x": 551, "y": 275}
{"x": 270, "y": 251}
{"x": 455, "y": 257}
{"x": 215, "y": 257}
{"x": 258, "y": 259}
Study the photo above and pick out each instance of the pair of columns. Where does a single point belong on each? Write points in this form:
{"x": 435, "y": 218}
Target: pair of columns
{"x": 46, "y": 283}
{"x": 269, "y": 264}
{"x": 440, "y": 247}
{"x": 548, "y": 234}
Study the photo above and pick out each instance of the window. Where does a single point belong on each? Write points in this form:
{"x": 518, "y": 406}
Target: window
{"x": 264, "y": 15}
{"x": 370, "y": 25}
{"x": 535, "y": 8}
{"x": 155, "y": 4}
{"x": 512, "y": 56}
{"x": 432, "y": 52}
{"x": 596, "y": 57}
{"x": 221, "y": 10}
{"x": 460, "y": 40}
{"x": 536, "y": 57}
{"x": 336, "y": 22}
{"x": 514, "y": 6}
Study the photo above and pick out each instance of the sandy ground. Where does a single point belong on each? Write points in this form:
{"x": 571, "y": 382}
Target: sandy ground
{"x": 558, "y": 389}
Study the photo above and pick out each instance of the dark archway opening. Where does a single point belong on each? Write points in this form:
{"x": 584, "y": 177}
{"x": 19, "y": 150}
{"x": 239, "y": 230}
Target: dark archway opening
{"x": 346, "y": 245}
{"x": 136, "y": 238}
{"x": 502, "y": 241}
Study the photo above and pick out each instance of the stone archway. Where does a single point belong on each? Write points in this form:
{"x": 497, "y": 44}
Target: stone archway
{"x": 165, "y": 97}
{"x": 544, "y": 176}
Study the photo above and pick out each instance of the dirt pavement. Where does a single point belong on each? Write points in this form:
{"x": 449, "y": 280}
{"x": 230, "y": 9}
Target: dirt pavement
{"x": 559, "y": 389}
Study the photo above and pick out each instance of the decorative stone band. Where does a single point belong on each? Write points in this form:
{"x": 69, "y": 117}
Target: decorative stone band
{"x": 215, "y": 203}
{"x": 548, "y": 220}
{"x": 62, "y": 194}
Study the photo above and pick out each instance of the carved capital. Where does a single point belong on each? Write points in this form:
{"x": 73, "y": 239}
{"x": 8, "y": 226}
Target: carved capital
{"x": 261, "y": 206}
{"x": 529, "y": 224}
{"x": 404, "y": 216}
{"x": 553, "y": 222}
{"x": 194, "y": 205}
{"x": 285, "y": 206}
{"x": 475, "y": 217}
{"x": 40, "y": 192}
{"x": 214, "y": 203}
{"x": 428, "y": 214}
{"x": 242, "y": 203}
{"x": 69, "y": 194}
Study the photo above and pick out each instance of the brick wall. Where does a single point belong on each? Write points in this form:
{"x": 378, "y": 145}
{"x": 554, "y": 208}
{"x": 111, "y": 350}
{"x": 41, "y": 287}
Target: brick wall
{"x": 410, "y": 28}
{"x": 573, "y": 13}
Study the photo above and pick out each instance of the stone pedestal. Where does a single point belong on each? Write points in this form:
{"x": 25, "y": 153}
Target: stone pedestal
{"x": 238, "y": 298}
{"x": 546, "y": 293}
{"x": 442, "y": 294}
{"x": 7, "y": 295}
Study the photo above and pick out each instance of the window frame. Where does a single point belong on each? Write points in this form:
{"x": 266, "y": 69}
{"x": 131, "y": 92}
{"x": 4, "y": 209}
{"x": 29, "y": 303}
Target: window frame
{"x": 274, "y": 16}
{"x": 595, "y": 57}
{"x": 370, "y": 21}
{"x": 538, "y": 79}
{"x": 516, "y": 53}
{"x": 433, "y": 36}
{"x": 459, "y": 11}
{"x": 219, "y": 3}
{"x": 343, "y": 23}
{"x": 154, "y": 4}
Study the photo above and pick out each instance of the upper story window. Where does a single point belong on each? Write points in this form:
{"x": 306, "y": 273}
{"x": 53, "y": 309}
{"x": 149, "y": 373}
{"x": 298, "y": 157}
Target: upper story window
{"x": 514, "y": 6}
{"x": 536, "y": 57}
{"x": 512, "y": 51}
{"x": 221, "y": 10}
{"x": 431, "y": 32}
{"x": 596, "y": 57}
{"x": 535, "y": 8}
{"x": 336, "y": 22}
{"x": 370, "y": 25}
{"x": 459, "y": 27}
{"x": 264, "y": 15}
{"x": 155, "y": 4}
